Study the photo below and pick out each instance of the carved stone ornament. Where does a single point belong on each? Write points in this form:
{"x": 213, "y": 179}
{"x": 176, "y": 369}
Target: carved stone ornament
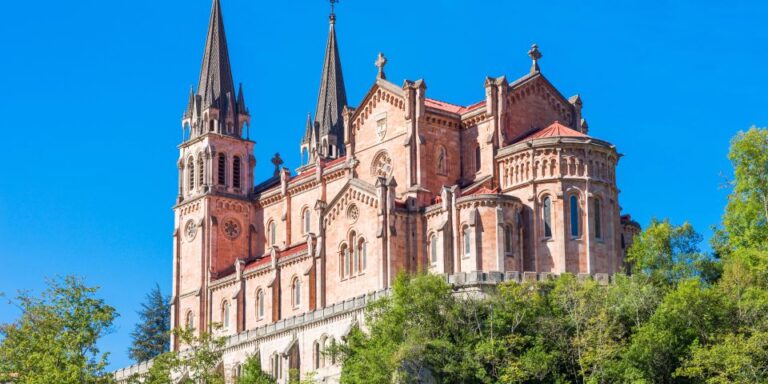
{"x": 382, "y": 165}
{"x": 231, "y": 228}
{"x": 190, "y": 230}
{"x": 353, "y": 213}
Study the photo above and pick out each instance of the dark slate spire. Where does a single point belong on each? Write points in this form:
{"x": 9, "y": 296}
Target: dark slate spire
{"x": 216, "y": 73}
{"x": 308, "y": 133}
{"x": 333, "y": 96}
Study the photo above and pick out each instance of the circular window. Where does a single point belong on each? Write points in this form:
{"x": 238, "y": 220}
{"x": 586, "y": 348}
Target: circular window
{"x": 353, "y": 213}
{"x": 231, "y": 228}
{"x": 190, "y": 230}
{"x": 382, "y": 165}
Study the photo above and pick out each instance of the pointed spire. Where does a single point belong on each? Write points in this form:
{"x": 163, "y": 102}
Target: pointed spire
{"x": 191, "y": 104}
{"x": 216, "y": 73}
{"x": 308, "y": 133}
{"x": 333, "y": 96}
{"x": 241, "y": 101}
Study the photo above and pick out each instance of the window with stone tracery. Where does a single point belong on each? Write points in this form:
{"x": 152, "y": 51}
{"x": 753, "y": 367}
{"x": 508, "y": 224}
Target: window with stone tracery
{"x": 190, "y": 320}
{"x": 433, "y": 248}
{"x": 381, "y": 165}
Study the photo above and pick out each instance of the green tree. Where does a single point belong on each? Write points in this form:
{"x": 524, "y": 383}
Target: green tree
{"x": 253, "y": 374}
{"x": 667, "y": 254}
{"x": 746, "y": 215}
{"x": 199, "y": 361}
{"x": 151, "y": 336}
{"x": 54, "y": 340}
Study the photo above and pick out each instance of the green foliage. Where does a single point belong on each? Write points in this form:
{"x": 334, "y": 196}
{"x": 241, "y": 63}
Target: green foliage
{"x": 199, "y": 361}
{"x": 746, "y": 215}
{"x": 668, "y": 254}
{"x": 54, "y": 340}
{"x": 253, "y": 374}
{"x": 152, "y": 335}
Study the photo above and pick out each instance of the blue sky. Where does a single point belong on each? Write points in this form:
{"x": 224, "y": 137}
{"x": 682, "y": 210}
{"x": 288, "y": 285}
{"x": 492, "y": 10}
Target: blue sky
{"x": 93, "y": 92}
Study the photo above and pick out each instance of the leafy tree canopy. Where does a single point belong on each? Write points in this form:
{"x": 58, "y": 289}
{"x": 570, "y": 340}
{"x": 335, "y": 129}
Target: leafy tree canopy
{"x": 54, "y": 339}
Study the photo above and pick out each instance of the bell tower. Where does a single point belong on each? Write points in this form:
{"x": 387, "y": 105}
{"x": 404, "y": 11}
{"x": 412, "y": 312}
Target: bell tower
{"x": 212, "y": 212}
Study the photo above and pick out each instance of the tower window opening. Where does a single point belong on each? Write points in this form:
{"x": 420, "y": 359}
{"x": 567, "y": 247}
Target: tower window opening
{"x": 222, "y": 171}
{"x": 191, "y": 170}
{"x": 236, "y": 172}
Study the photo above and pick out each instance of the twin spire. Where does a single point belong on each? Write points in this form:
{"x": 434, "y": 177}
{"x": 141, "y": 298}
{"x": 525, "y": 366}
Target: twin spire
{"x": 216, "y": 90}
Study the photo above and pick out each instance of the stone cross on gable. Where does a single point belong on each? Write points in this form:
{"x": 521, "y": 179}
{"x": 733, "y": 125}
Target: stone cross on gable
{"x": 277, "y": 161}
{"x": 535, "y": 55}
{"x": 381, "y": 61}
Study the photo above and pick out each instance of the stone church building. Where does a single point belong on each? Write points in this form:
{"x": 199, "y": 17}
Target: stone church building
{"x": 512, "y": 187}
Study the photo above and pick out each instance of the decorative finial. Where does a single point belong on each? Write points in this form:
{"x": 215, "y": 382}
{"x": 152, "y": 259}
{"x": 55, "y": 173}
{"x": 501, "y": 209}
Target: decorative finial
{"x": 333, "y": 14}
{"x": 381, "y": 61}
{"x": 277, "y": 161}
{"x": 535, "y": 55}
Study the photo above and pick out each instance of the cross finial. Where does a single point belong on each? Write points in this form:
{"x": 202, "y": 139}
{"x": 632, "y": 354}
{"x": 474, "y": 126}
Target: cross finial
{"x": 333, "y": 14}
{"x": 535, "y": 55}
{"x": 381, "y": 61}
{"x": 277, "y": 161}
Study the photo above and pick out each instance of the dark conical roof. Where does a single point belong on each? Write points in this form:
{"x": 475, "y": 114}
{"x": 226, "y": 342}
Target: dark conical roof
{"x": 216, "y": 73}
{"x": 333, "y": 96}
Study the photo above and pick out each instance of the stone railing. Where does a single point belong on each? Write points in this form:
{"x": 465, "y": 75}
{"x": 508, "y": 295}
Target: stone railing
{"x": 458, "y": 280}
{"x": 293, "y": 322}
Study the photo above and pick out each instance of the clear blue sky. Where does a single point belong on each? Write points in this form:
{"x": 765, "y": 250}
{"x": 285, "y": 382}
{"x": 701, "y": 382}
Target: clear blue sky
{"x": 93, "y": 91}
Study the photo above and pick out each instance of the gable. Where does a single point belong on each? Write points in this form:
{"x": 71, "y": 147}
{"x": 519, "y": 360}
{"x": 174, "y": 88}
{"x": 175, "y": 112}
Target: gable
{"x": 534, "y": 103}
{"x": 355, "y": 192}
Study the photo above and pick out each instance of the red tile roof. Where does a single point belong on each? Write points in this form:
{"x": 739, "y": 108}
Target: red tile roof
{"x": 451, "y": 108}
{"x": 485, "y": 191}
{"x": 555, "y": 130}
{"x": 295, "y": 250}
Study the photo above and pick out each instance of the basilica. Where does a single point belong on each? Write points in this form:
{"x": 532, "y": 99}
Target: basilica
{"x": 512, "y": 187}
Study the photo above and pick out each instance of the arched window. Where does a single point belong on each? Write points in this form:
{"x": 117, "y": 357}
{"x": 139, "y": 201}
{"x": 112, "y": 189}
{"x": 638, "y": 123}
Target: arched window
{"x": 316, "y": 354}
{"x": 191, "y": 171}
{"x": 623, "y": 244}
{"x": 276, "y": 370}
{"x": 210, "y": 126}
{"x": 260, "y": 304}
{"x": 272, "y": 233}
{"x": 190, "y": 320}
{"x": 296, "y": 289}
{"x": 361, "y": 254}
{"x": 305, "y": 219}
{"x": 222, "y": 171}
{"x": 344, "y": 261}
{"x": 355, "y": 252}
{"x": 477, "y": 159}
{"x": 441, "y": 161}
{"x": 433, "y": 248}
{"x": 225, "y": 314}
{"x": 237, "y": 371}
{"x": 508, "y": 239}
{"x": 236, "y": 172}
{"x": 598, "y": 220}
{"x": 574, "y": 202}
{"x": 547, "y": 210}
{"x": 200, "y": 172}
{"x": 466, "y": 241}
